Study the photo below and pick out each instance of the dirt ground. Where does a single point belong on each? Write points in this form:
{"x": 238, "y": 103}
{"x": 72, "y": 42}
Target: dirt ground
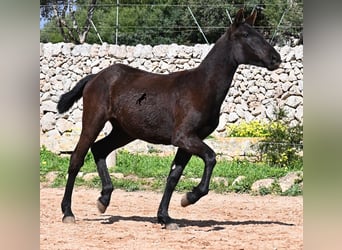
{"x": 229, "y": 221}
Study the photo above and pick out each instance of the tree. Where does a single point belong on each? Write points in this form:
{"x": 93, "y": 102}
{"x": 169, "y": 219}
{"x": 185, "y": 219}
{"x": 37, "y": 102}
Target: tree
{"x": 67, "y": 20}
{"x": 163, "y": 21}
{"x": 284, "y": 19}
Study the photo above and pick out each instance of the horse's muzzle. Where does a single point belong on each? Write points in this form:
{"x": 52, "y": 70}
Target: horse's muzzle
{"x": 275, "y": 62}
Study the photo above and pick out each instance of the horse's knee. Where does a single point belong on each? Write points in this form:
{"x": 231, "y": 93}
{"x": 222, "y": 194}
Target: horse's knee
{"x": 210, "y": 159}
{"x": 75, "y": 164}
{"x": 174, "y": 176}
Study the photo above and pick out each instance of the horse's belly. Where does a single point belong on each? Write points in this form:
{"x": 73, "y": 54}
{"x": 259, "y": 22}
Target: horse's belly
{"x": 151, "y": 123}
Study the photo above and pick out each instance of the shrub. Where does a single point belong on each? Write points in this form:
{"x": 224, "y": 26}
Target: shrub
{"x": 282, "y": 144}
{"x": 252, "y": 129}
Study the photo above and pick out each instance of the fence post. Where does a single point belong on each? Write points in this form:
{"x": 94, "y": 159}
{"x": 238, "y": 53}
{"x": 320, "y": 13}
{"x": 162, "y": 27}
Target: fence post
{"x": 117, "y": 22}
{"x": 199, "y": 27}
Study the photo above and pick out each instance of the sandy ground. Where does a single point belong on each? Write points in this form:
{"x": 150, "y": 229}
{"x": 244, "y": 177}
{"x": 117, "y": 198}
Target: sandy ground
{"x": 229, "y": 221}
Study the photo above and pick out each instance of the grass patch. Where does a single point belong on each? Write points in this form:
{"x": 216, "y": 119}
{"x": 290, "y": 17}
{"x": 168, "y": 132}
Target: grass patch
{"x": 149, "y": 172}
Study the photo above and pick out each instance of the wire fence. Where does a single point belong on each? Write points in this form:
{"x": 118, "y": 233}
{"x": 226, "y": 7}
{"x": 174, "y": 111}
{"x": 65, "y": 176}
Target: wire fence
{"x": 132, "y": 23}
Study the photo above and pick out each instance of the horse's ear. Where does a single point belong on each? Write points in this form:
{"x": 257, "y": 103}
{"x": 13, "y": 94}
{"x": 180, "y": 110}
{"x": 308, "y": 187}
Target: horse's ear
{"x": 251, "y": 19}
{"x": 239, "y": 17}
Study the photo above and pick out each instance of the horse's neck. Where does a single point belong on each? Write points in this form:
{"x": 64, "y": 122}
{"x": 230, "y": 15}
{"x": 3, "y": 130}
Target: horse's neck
{"x": 219, "y": 68}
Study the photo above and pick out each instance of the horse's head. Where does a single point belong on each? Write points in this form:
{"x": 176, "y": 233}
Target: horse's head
{"x": 249, "y": 46}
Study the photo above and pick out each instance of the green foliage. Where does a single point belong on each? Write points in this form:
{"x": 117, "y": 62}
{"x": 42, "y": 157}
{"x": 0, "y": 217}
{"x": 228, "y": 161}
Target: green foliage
{"x": 295, "y": 190}
{"x": 169, "y": 21}
{"x": 254, "y": 128}
{"x": 150, "y": 172}
{"x": 142, "y": 166}
{"x": 242, "y": 186}
{"x": 282, "y": 145}
{"x": 51, "y": 162}
{"x": 128, "y": 185}
{"x": 285, "y": 18}
{"x": 274, "y": 189}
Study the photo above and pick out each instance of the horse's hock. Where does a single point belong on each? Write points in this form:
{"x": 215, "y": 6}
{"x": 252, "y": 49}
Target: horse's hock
{"x": 254, "y": 94}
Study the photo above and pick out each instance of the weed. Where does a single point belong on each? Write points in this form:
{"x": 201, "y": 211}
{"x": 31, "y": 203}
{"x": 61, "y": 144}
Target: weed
{"x": 282, "y": 144}
{"x": 295, "y": 190}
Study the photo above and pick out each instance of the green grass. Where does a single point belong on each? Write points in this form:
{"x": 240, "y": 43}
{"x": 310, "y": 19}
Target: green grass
{"x": 151, "y": 167}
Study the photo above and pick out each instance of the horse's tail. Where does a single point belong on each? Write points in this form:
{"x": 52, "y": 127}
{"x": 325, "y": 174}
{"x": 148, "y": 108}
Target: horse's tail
{"x": 69, "y": 98}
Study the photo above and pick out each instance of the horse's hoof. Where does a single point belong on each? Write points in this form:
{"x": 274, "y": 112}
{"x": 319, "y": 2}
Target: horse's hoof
{"x": 68, "y": 219}
{"x": 102, "y": 208}
{"x": 171, "y": 226}
{"x": 185, "y": 202}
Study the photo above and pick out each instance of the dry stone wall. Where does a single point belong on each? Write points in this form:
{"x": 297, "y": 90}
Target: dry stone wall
{"x": 254, "y": 94}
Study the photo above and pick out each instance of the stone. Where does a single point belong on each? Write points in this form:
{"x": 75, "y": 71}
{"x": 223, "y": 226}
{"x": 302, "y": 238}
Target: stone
{"x": 62, "y": 65}
{"x": 299, "y": 113}
{"x": 240, "y": 110}
{"x": 248, "y": 117}
{"x": 294, "y": 101}
{"x": 159, "y": 51}
{"x": 47, "y": 122}
{"x": 172, "y": 51}
{"x": 95, "y": 70}
{"x": 265, "y": 183}
{"x": 298, "y": 51}
{"x": 233, "y": 117}
{"x": 64, "y": 125}
{"x": 270, "y": 112}
{"x": 292, "y": 76}
{"x": 117, "y": 51}
{"x": 286, "y": 86}
{"x": 290, "y": 179}
{"x": 81, "y": 50}
{"x": 290, "y": 56}
{"x": 66, "y": 49}
{"x": 222, "y": 122}
{"x": 283, "y": 77}
{"x": 300, "y": 85}
{"x": 117, "y": 175}
{"x": 220, "y": 180}
{"x": 253, "y": 89}
{"x": 103, "y": 50}
{"x": 275, "y": 77}
{"x": 258, "y": 110}
{"x": 141, "y": 51}
{"x": 50, "y": 177}
{"x": 238, "y": 180}
{"x": 94, "y": 50}
{"x": 89, "y": 176}
{"x": 45, "y": 69}
{"x": 48, "y": 106}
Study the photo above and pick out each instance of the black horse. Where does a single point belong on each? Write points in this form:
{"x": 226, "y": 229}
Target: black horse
{"x": 180, "y": 108}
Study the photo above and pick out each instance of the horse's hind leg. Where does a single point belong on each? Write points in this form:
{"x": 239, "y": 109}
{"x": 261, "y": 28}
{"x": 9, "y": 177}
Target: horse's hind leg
{"x": 92, "y": 126}
{"x": 101, "y": 149}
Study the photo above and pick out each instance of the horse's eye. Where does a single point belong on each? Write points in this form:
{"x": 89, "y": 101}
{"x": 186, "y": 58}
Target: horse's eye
{"x": 245, "y": 34}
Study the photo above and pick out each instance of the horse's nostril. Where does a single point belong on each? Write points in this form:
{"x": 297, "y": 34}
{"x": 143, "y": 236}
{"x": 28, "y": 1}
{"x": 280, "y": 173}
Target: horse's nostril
{"x": 275, "y": 59}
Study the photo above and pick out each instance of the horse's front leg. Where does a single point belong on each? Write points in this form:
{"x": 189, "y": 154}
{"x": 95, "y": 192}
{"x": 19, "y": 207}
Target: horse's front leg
{"x": 177, "y": 167}
{"x": 202, "y": 188}
{"x": 194, "y": 145}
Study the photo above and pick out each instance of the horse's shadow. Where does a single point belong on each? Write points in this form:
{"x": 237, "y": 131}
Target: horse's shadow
{"x": 215, "y": 224}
